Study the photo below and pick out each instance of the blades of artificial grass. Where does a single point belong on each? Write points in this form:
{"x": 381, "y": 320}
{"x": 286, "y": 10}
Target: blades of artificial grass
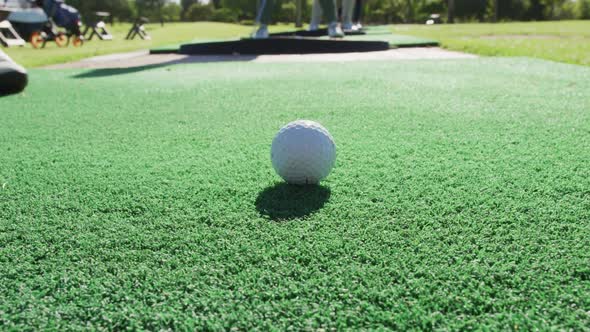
{"x": 145, "y": 199}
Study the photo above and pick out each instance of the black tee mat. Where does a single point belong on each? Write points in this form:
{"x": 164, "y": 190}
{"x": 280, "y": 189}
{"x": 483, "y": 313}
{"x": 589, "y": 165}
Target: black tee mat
{"x": 314, "y": 33}
{"x": 283, "y": 45}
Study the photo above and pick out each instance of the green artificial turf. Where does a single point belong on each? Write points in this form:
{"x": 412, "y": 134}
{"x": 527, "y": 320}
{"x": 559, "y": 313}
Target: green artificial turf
{"x": 395, "y": 40}
{"x": 145, "y": 198}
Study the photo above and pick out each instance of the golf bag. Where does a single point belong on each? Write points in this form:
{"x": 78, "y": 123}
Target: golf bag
{"x": 62, "y": 15}
{"x": 59, "y": 15}
{"x": 28, "y": 21}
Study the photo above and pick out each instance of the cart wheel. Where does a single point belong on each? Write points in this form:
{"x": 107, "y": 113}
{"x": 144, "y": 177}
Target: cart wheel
{"x": 78, "y": 41}
{"x": 36, "y": 40}
{"x": 61, "y": 39}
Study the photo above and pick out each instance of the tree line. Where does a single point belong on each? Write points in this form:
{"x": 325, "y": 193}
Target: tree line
{"x": 376, "y": 11}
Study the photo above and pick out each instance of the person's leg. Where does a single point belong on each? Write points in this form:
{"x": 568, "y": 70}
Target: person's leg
{"x": 13, "y": 78}
{"x": 263, "y": 19}
{"x": 316, "y": 16}
{"x": 265, "y": 12}
{"x": 329, "y": 10}
{"x": 358, "y": 13}
{"x": 347, "y": 9}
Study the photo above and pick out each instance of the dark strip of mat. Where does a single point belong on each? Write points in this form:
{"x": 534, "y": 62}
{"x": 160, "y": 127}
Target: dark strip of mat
{"x": 283, "y": 45}
{"x": 314, "y": 33}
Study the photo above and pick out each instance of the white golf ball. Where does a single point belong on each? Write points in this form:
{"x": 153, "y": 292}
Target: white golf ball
{"x": 303, "y": 152}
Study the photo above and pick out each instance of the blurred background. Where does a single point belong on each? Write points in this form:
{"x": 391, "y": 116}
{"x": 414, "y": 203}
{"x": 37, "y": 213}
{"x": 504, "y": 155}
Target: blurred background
{"x": 376, "y": 11}
{"x": 557, "y": 30}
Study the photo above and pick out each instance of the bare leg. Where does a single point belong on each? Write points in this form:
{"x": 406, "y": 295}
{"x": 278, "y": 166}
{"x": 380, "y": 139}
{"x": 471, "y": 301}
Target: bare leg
{"x": 263, "y": 19}
{"x": 329, "y": 10}
{"x": 264, "y": 12}
{"x": 316, "y": 16}
{"x": 358, "y": 13}
{"x": 347, "y": 9}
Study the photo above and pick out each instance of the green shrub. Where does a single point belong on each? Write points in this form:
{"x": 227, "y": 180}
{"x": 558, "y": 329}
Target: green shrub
{"x": 377, "y": 16}
{"x": 171, "y": 12}
{"x": 224, "y": 15}
{"x": 566, "y": 11}
{"x": 583, "y": 9}
{"x": 199, "y": 12}
{"x": 286, "y": 13}
{"x": 247, "y": 22}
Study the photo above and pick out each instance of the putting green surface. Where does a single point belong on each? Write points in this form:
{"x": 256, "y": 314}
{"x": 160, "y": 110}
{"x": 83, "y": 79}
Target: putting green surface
{"x": 145, "y": 198}
{"x": 174, "y": 48}
{"x": 394, "y": 40}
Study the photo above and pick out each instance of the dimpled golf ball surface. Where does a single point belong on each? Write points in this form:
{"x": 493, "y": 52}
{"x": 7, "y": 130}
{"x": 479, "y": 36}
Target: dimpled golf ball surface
{"x": 303, "y": 152}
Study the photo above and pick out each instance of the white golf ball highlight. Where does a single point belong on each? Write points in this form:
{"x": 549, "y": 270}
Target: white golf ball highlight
{"x": 303, "y": 152}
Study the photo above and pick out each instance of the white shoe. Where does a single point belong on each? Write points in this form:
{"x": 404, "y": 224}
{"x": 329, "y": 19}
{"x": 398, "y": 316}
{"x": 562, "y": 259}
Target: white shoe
{"x": 334, "y": 30}
{"x": 358, "y": 26}
{"x": 347, "y": 27}
{"x": 313, "y": 27}
{"x": 261, "y": 32}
